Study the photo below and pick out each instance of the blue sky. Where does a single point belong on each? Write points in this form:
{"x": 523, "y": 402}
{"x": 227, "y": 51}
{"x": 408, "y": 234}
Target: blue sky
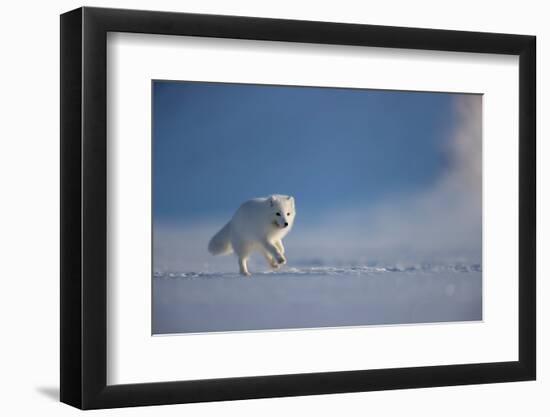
{"x": 217, "y": 145}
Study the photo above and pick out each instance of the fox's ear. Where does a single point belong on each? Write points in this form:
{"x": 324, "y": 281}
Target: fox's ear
{"x": 271, "y": 201}
{"x": 291, "y": 199}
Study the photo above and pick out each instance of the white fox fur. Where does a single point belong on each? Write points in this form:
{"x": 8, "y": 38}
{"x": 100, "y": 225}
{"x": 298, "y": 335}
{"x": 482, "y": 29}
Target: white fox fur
{"x": 260, "y": 225}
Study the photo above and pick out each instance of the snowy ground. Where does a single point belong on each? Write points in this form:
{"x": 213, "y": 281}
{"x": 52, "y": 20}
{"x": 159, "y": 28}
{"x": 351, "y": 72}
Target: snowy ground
{"x": 315, "y": 297}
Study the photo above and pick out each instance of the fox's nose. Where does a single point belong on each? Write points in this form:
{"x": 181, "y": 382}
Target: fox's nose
{"x": 286, "y": 224}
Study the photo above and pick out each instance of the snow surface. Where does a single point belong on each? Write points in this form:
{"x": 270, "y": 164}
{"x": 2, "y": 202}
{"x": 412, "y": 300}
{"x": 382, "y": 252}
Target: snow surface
{"x": 311, "y": 297}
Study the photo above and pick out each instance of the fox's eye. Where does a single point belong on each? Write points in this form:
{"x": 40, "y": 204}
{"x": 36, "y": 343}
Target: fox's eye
{"x": 288, "y": 214}
{"x": 278, "y": 214}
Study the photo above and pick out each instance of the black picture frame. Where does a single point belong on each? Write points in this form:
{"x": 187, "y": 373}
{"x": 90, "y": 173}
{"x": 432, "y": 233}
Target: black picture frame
{"x": 84, "y": 207}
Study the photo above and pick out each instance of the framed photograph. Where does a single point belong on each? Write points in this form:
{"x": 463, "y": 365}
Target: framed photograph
{"x": 257, "y": 208}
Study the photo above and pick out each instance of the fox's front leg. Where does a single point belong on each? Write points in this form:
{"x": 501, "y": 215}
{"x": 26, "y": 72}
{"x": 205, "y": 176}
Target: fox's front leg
{"x": 274, "y": 251}
{"x": 279, "y": 244}
{"x": 270, "y": 260}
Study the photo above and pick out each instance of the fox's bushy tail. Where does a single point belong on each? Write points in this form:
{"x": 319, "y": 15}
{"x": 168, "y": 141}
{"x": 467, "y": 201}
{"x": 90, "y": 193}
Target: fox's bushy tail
{"x": 220, "y": 244}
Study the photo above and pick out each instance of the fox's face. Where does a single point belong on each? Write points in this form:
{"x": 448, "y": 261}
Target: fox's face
{"x": 283, "y": 211}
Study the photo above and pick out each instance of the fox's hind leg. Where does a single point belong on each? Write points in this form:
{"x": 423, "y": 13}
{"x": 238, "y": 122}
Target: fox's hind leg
{"x": 243, "y": 268}
{"x": 242, "y": 250}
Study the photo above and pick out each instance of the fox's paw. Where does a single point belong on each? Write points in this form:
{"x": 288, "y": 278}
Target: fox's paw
{"x": 281, "y": 260}
{"x": 273, "y": 264}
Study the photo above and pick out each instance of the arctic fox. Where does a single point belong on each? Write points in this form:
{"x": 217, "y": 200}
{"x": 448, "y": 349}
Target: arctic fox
{"x": 260, "y": 225}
